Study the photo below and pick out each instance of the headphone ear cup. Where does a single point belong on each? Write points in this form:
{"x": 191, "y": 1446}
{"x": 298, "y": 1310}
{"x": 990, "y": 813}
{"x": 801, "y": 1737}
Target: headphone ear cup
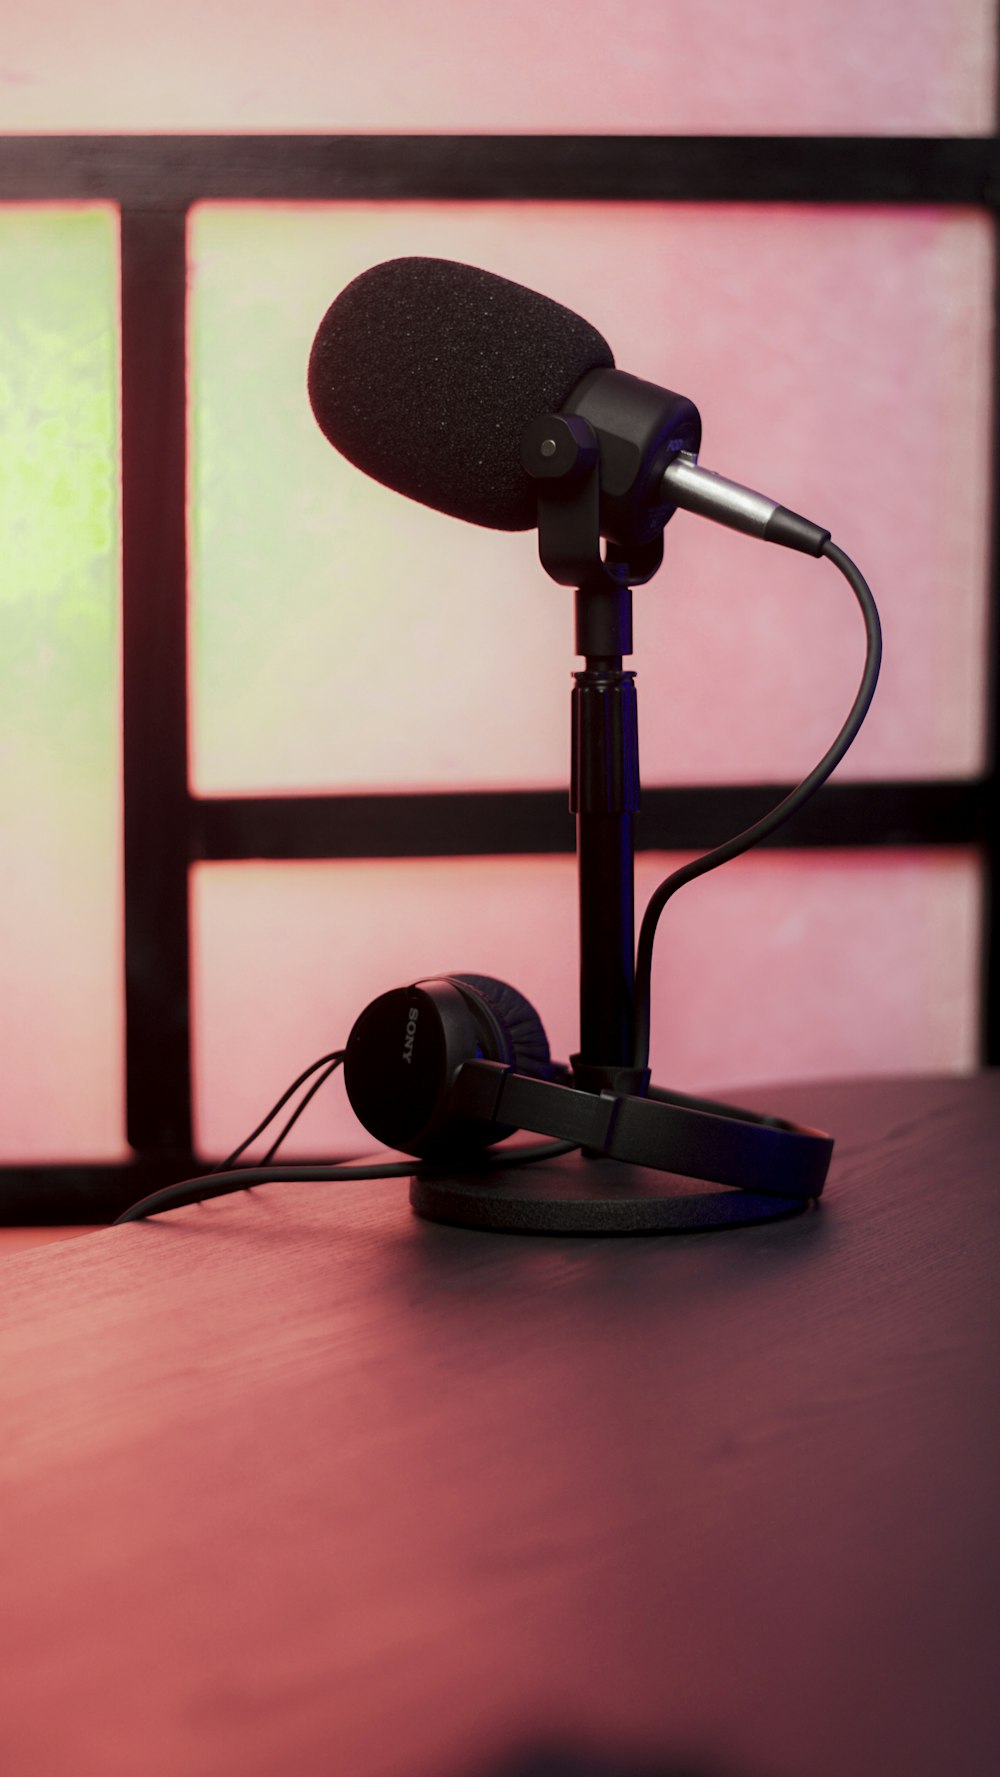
{"x": 520, "y": 1026}
{"x": 405, "y": 1050}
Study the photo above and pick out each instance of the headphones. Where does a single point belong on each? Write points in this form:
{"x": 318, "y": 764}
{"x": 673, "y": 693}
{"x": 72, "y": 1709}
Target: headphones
{"x": 447, "y": 1066}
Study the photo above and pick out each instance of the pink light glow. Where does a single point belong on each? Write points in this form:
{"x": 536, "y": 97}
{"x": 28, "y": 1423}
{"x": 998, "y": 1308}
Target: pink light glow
{"x": 773, "y": 969}
{"x": 721, "y": 66}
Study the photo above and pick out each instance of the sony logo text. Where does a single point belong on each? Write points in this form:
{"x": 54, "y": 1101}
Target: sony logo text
{"x": 411, "y": 1031}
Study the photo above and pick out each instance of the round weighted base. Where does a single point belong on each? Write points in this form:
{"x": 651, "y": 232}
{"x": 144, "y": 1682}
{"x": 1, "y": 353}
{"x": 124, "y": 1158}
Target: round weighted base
{"x": 572, "y": 1194}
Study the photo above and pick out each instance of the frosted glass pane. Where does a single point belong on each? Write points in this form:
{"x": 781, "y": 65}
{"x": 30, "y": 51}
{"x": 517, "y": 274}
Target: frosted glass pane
{"x": 773, "y": 969}
{"x": 840, "y": 358}
{"x": 809, "y": 66}
{"x": 60, "y": 906}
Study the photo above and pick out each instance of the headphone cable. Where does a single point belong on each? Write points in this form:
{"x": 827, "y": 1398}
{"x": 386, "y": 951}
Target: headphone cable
{"x": 220, "y": 1184}
{"x": 334, "y": 1058}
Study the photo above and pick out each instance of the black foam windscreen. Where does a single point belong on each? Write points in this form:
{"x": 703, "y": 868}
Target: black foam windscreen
{"x": 425, "y": 373}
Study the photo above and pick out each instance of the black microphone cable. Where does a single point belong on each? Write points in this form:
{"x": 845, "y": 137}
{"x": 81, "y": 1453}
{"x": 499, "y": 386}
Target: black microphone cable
{"x": 751, "y": 836}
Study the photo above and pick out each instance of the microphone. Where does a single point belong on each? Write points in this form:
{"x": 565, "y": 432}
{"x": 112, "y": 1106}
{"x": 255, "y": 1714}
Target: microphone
{"x": 429, "y": 375}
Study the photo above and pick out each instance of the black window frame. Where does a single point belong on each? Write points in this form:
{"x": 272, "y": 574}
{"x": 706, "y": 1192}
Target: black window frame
{"x": 154, "y": 181}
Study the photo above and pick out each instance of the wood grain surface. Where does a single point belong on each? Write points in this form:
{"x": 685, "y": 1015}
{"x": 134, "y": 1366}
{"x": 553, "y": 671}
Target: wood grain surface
{"x": 294, "y": 1482}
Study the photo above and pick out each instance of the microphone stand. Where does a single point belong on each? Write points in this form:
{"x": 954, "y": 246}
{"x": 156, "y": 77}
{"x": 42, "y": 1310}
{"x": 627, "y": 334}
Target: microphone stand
{"x": 579, "y": 1192}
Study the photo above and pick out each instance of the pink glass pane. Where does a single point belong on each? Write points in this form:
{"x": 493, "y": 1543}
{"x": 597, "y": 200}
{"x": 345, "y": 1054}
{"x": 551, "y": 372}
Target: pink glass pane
{"x": 61, "y": 1017}
{"x": 840, "y": 358}
{"x": 804, "y": 66}
{"x": 774, "y": 969}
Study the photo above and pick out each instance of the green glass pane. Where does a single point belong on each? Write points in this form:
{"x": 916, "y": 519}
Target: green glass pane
{"x": 60, "y": 913}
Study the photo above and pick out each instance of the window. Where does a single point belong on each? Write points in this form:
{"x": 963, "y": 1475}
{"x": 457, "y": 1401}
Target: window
{"x": 277, "y": 872}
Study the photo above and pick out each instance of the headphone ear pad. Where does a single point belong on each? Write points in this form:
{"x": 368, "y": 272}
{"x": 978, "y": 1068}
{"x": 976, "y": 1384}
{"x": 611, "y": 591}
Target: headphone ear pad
{"x": 520, "y": 1025}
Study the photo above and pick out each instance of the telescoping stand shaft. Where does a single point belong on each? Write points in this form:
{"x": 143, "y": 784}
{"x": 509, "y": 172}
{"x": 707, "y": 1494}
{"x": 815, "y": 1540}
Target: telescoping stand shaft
{"x": 604, "y": 796}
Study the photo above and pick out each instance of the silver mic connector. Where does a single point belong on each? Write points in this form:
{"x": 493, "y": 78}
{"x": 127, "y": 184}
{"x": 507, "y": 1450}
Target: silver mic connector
{"x": 712, "y": 496}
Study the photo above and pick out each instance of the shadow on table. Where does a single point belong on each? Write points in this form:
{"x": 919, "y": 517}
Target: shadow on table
{"x": 561, "y": 1759}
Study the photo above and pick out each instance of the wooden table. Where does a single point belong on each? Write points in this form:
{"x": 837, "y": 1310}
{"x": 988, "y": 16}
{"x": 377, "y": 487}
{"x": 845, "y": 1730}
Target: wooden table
{"x": 294, "y": 1483}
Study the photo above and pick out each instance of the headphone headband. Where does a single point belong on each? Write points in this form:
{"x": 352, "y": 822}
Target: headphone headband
{"x": 717, "y": 1142}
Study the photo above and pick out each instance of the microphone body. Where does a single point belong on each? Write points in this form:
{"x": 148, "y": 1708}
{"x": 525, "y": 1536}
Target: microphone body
{"x": 427, "y": 375}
